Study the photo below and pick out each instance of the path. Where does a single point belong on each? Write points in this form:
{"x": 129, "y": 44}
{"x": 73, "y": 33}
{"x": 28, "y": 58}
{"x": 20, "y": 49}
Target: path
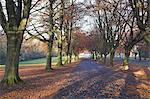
{"x": 87, "y": 79}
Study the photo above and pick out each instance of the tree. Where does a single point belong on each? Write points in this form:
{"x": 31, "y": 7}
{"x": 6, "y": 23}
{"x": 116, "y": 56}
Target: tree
{"x": 60, "y": 41}
{"x": 48, "y": 22}
{"x": 3, "y": 48}
{"x": 14, "y": 25}
{"x": 72, "y": 14}
{"x": 132, "y": 34}
{"x": 79, "y": 41}
{"x": 141, "y": 11}
{"x": 143, "y": 50}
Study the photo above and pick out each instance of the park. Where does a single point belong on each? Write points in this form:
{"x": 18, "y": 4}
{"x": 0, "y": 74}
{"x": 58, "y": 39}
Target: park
{"x": 75, "y": 49}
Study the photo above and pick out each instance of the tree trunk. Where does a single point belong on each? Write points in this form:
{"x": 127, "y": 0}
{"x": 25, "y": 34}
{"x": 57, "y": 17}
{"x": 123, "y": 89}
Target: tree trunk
{"x": 68, "y": 49}
{"x": 76, "y": 56}
{"x": 59, "y": 55}
{"x": 60, "y": 46}
{"x": 66, "y": 61}
{"x": 112, "y": 55}
{"x": 70, "y": 56}
{"x": 140, "y": 57}
{"x": 49, "y": 57}
{"x": 105, "y": 58}
{"x": 135, "y": 54}
{"x": 93, "y": 55}
{"x": 96, "y": 56}
{"x": 101, "y": 55}
{"x": 14, "y": 41}
{"x": 126, "y": 60}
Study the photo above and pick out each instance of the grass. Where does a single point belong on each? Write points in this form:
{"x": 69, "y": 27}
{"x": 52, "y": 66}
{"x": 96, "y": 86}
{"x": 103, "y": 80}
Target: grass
{"x": 38, "y": 62}
{"x": 41, "y": 61}
{"x": 34, "y": 61}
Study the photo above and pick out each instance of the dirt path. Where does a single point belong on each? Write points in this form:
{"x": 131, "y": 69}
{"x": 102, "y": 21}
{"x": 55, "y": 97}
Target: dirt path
{"x": 86, "y": 79}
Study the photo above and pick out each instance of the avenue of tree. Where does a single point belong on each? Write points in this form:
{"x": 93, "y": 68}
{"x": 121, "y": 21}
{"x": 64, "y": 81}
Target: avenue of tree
{"x": 117, "y": 23}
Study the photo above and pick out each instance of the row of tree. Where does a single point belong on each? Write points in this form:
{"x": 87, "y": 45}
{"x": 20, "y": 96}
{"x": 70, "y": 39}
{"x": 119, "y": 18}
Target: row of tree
{"x": 119, "y": 23}
{"x": 49, "y": 21}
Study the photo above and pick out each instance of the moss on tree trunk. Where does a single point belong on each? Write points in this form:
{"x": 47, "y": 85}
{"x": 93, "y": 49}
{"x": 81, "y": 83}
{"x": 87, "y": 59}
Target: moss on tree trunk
{"x": 49, "y": 57}
{"x": 11, "y": 75}
{"x": 126, "y": 60}
{"x": 112, "y": 55}
{"x": 59, "y": 63}
{"x": 70, "y": 56}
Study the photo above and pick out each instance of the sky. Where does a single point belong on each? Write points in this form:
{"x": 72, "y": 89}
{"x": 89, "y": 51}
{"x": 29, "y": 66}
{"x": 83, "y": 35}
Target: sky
{"x": 86, "y": 23}
{"x": 80, "y": 0}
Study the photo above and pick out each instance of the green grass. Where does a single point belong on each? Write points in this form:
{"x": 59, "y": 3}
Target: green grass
{"x": 34, "y": 61}
{"x": 38, "y": 61}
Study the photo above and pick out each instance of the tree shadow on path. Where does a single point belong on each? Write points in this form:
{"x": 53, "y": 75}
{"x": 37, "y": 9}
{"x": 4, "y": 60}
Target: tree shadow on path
{"x": 103, "y": 83}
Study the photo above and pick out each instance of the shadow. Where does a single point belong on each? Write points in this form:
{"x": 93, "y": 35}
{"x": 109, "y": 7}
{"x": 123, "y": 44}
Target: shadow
{"x": 137, "y": 84}
{"x": 106, "y": 83}
{"x": 129, "y": 90}
{"x": 86, "y": 80}
{"x": 37, "y": 80}
{"x": 92, "y": 86}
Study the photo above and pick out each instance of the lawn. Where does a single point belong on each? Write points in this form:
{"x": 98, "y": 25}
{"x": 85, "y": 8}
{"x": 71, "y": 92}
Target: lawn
{"x": 38, "y": 61}
{"x": 43, "y": 61}
{"x": 34, "y": 61}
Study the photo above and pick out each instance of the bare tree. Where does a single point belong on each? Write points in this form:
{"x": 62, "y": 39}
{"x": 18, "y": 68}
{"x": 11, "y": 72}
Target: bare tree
{"x": 141, "y": 11}
{"x": 46, "y": 32}
{"x": 14, "y": 25}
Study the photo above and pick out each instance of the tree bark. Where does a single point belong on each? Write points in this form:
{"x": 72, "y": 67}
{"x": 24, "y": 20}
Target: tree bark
{"x": 67, "y": 58}
{"x": 61, "y": 35}
{"x": 67, "y": 52}
{"x": 126, "y": 60}
{"x": 135, "y": 54}
{"x": 14, "y": 41}
{"x": 112, "y": 55}
{"x": 140, "y": 57}
{"x": 93, "y": 55}
{"x": 59, "y": 55}
{"x": 49, "y": 57}
{"x": 96, "y": 56}
{"x": 70, "y": 56}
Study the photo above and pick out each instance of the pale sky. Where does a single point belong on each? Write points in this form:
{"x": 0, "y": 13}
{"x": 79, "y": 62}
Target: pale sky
{"x": 85, "y": 23}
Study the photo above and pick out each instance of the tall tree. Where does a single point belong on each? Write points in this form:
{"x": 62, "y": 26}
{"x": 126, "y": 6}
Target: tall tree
{"x": 14, "y": 25}
{"x": 48, "y": 23}
{"x": 132, "y": 34}
{"x": 60, "y": 41}
{"x": 141, "y": 11}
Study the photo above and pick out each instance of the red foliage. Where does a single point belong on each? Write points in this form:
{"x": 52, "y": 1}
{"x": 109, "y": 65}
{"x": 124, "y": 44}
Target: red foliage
{"x": 80, "y": 41}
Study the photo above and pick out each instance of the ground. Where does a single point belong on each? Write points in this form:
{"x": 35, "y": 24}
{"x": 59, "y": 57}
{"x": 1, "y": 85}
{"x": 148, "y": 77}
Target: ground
{"x": 84, "y": 79}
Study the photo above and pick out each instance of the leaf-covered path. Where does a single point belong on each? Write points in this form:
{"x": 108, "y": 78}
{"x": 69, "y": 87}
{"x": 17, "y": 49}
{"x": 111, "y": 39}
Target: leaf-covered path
{"x": 86, "y": 79}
